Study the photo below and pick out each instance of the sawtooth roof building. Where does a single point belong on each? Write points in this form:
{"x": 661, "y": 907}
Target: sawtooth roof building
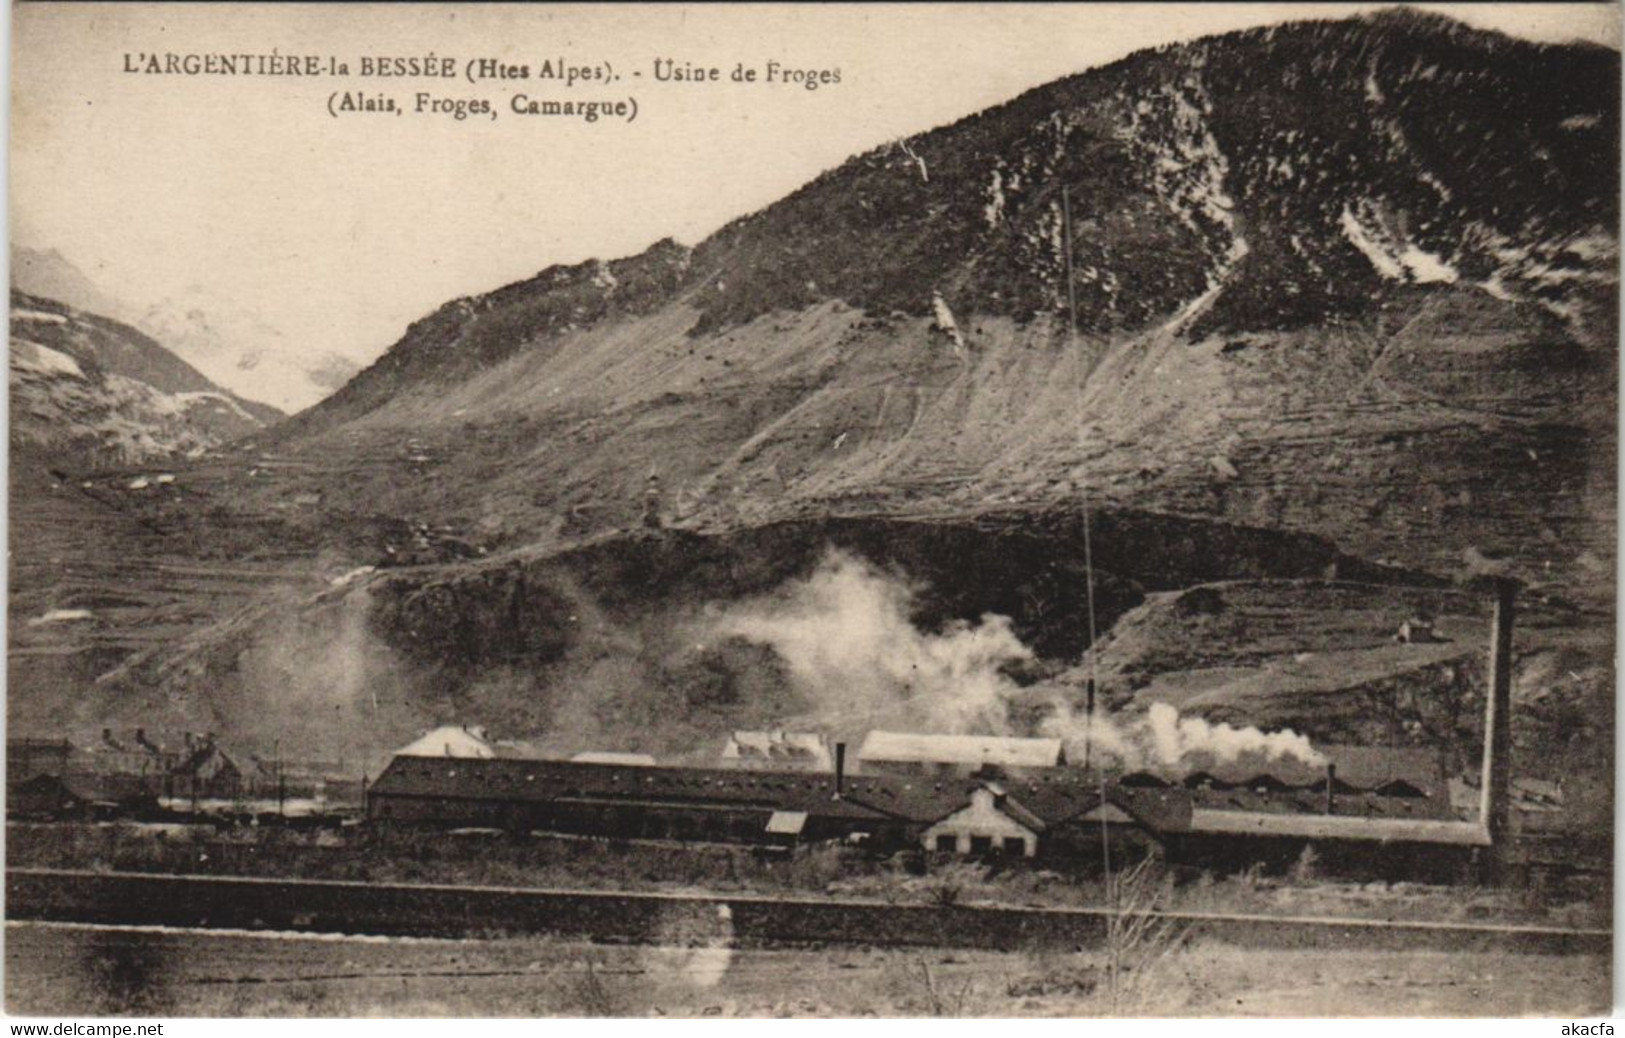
{"x": 1237, "y": 812}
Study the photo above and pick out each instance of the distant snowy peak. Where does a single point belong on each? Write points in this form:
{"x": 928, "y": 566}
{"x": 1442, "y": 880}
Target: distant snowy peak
{"x": 241, "y": 351}
{"x": 231, "y": 344}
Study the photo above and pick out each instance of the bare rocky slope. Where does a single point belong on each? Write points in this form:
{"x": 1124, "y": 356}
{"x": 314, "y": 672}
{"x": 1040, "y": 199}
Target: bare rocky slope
{"x": 1351, "y": 278}
{"x": 1345, "y": 309}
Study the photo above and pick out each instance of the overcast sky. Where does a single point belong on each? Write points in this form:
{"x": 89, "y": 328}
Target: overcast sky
{"x": 340, "y": 232}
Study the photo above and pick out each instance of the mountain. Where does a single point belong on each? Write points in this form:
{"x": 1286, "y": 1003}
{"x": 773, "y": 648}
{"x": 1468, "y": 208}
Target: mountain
{"x": 50, "y": 275}
{"x": 1320, "y": 285}
{"x": 241, "y": 350}
{"x": 230, "y": 344}
{"x": 100, "y": 411}
{"x": 1345, "y": 299}
{"x": 91, "y": 392}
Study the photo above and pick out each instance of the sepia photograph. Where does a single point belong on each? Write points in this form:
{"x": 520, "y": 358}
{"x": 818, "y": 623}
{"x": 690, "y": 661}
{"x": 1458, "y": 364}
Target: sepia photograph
{"x": 811, "y": 510}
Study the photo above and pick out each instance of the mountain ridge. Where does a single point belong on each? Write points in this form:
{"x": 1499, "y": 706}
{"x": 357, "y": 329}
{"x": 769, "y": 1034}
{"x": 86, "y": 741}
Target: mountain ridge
{"x": 1175, "y": 256}
{"x": 1266, "y": 218}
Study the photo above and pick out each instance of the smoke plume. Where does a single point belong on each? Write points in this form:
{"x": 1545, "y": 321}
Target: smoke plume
{"x": 857, "y": 659}
{"x": 853, "y": 653}
{"x": 1163, "y": 739}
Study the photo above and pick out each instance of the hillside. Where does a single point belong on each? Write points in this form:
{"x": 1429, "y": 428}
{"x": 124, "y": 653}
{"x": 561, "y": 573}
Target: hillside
{"x": 91, "y": 392}
{"x": 1345, "y": 309}
{"x": 1312, "y": 248}
{"x": 88, "y": 577}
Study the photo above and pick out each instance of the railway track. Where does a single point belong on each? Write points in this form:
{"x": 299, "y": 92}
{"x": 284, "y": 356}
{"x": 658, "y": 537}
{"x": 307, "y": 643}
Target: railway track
{"x": 326, "y": 906}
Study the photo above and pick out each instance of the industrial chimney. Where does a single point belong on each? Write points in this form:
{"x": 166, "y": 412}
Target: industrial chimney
{"x": 1331, "y": 788}
{"x": 840, "y": 769}
{"x": 1495, "y": 804}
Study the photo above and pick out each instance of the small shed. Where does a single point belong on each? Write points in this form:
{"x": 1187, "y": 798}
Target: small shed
{"x": 1418, "y": 630}
{"x": 207, "y": 771}
{"x": 784, "y": 828}
{"x": 778, "y": 749}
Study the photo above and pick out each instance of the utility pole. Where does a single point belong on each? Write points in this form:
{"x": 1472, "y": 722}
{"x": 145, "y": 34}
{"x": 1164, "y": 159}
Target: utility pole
{"x": 1088, "y": 560}
{"x": 281, "y": 786}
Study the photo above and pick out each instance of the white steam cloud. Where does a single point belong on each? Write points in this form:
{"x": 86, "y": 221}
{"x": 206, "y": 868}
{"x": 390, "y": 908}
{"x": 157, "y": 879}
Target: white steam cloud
{"x": 851, "y": 649}
{"x": 1163, "y": 739}
{"x": 846, "y": 636}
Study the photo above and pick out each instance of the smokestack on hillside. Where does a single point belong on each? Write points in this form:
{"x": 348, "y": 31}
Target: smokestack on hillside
{"x": 1494, "y": 805}
{"x": 1331, "y": 788}
{"x": 840, "y": 769}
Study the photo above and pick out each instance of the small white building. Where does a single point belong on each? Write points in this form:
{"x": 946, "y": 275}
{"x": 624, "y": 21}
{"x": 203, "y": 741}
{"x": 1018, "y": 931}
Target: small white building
{"x": 992, "y": 823}
{"x": 778, "y": 749}
{"x": 450, "y": 741}
{"x": 909, "y": 752}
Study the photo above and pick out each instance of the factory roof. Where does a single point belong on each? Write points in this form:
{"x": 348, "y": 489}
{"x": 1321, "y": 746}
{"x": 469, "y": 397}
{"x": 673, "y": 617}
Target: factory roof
{"x": 545, "y": 780}
{"x": 449, "y": 741}
{"x": 1339, "y": 827}
{"x": 1054, "y": 796}
{"x": 971, "y": 750}
{"x": 640, "y": 760}
{"x": 1357, "y": 768}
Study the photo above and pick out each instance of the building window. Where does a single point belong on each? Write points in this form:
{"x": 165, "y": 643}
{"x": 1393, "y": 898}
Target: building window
{"x": 947, "y": 844}
{"x": 1015, "y": 846}
{"x": 981, "y": 844}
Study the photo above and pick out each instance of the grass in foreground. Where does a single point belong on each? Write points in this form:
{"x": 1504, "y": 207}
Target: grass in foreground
{"x": 489, "y": 859}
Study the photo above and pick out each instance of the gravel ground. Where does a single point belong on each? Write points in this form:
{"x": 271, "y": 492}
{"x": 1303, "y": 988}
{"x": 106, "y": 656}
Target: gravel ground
{"x": 59, "y": 969}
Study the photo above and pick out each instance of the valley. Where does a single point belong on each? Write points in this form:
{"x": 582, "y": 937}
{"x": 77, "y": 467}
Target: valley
{"x": 1317, "y": 374}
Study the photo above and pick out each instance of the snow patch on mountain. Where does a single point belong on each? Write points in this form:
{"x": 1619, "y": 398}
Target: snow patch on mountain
{"x": 31, "y": 356}
{"x": 77, "y": 394}
{"x": 946, "y": 323}
{"x": 1394, "y": 259}
{"x": 1171, "y": 128}
{"x": 993, "y": 212}
{"x": 38, "y": 315}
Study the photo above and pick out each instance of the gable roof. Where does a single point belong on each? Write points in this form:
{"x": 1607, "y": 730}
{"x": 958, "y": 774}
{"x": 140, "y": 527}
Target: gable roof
{"x": 447, "y": 741}
{"x": 1016, "y": 809}
{"x": 968, "y": 750}
{"x": 1358, "y": 768}
{"x": 776, "y": 745}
